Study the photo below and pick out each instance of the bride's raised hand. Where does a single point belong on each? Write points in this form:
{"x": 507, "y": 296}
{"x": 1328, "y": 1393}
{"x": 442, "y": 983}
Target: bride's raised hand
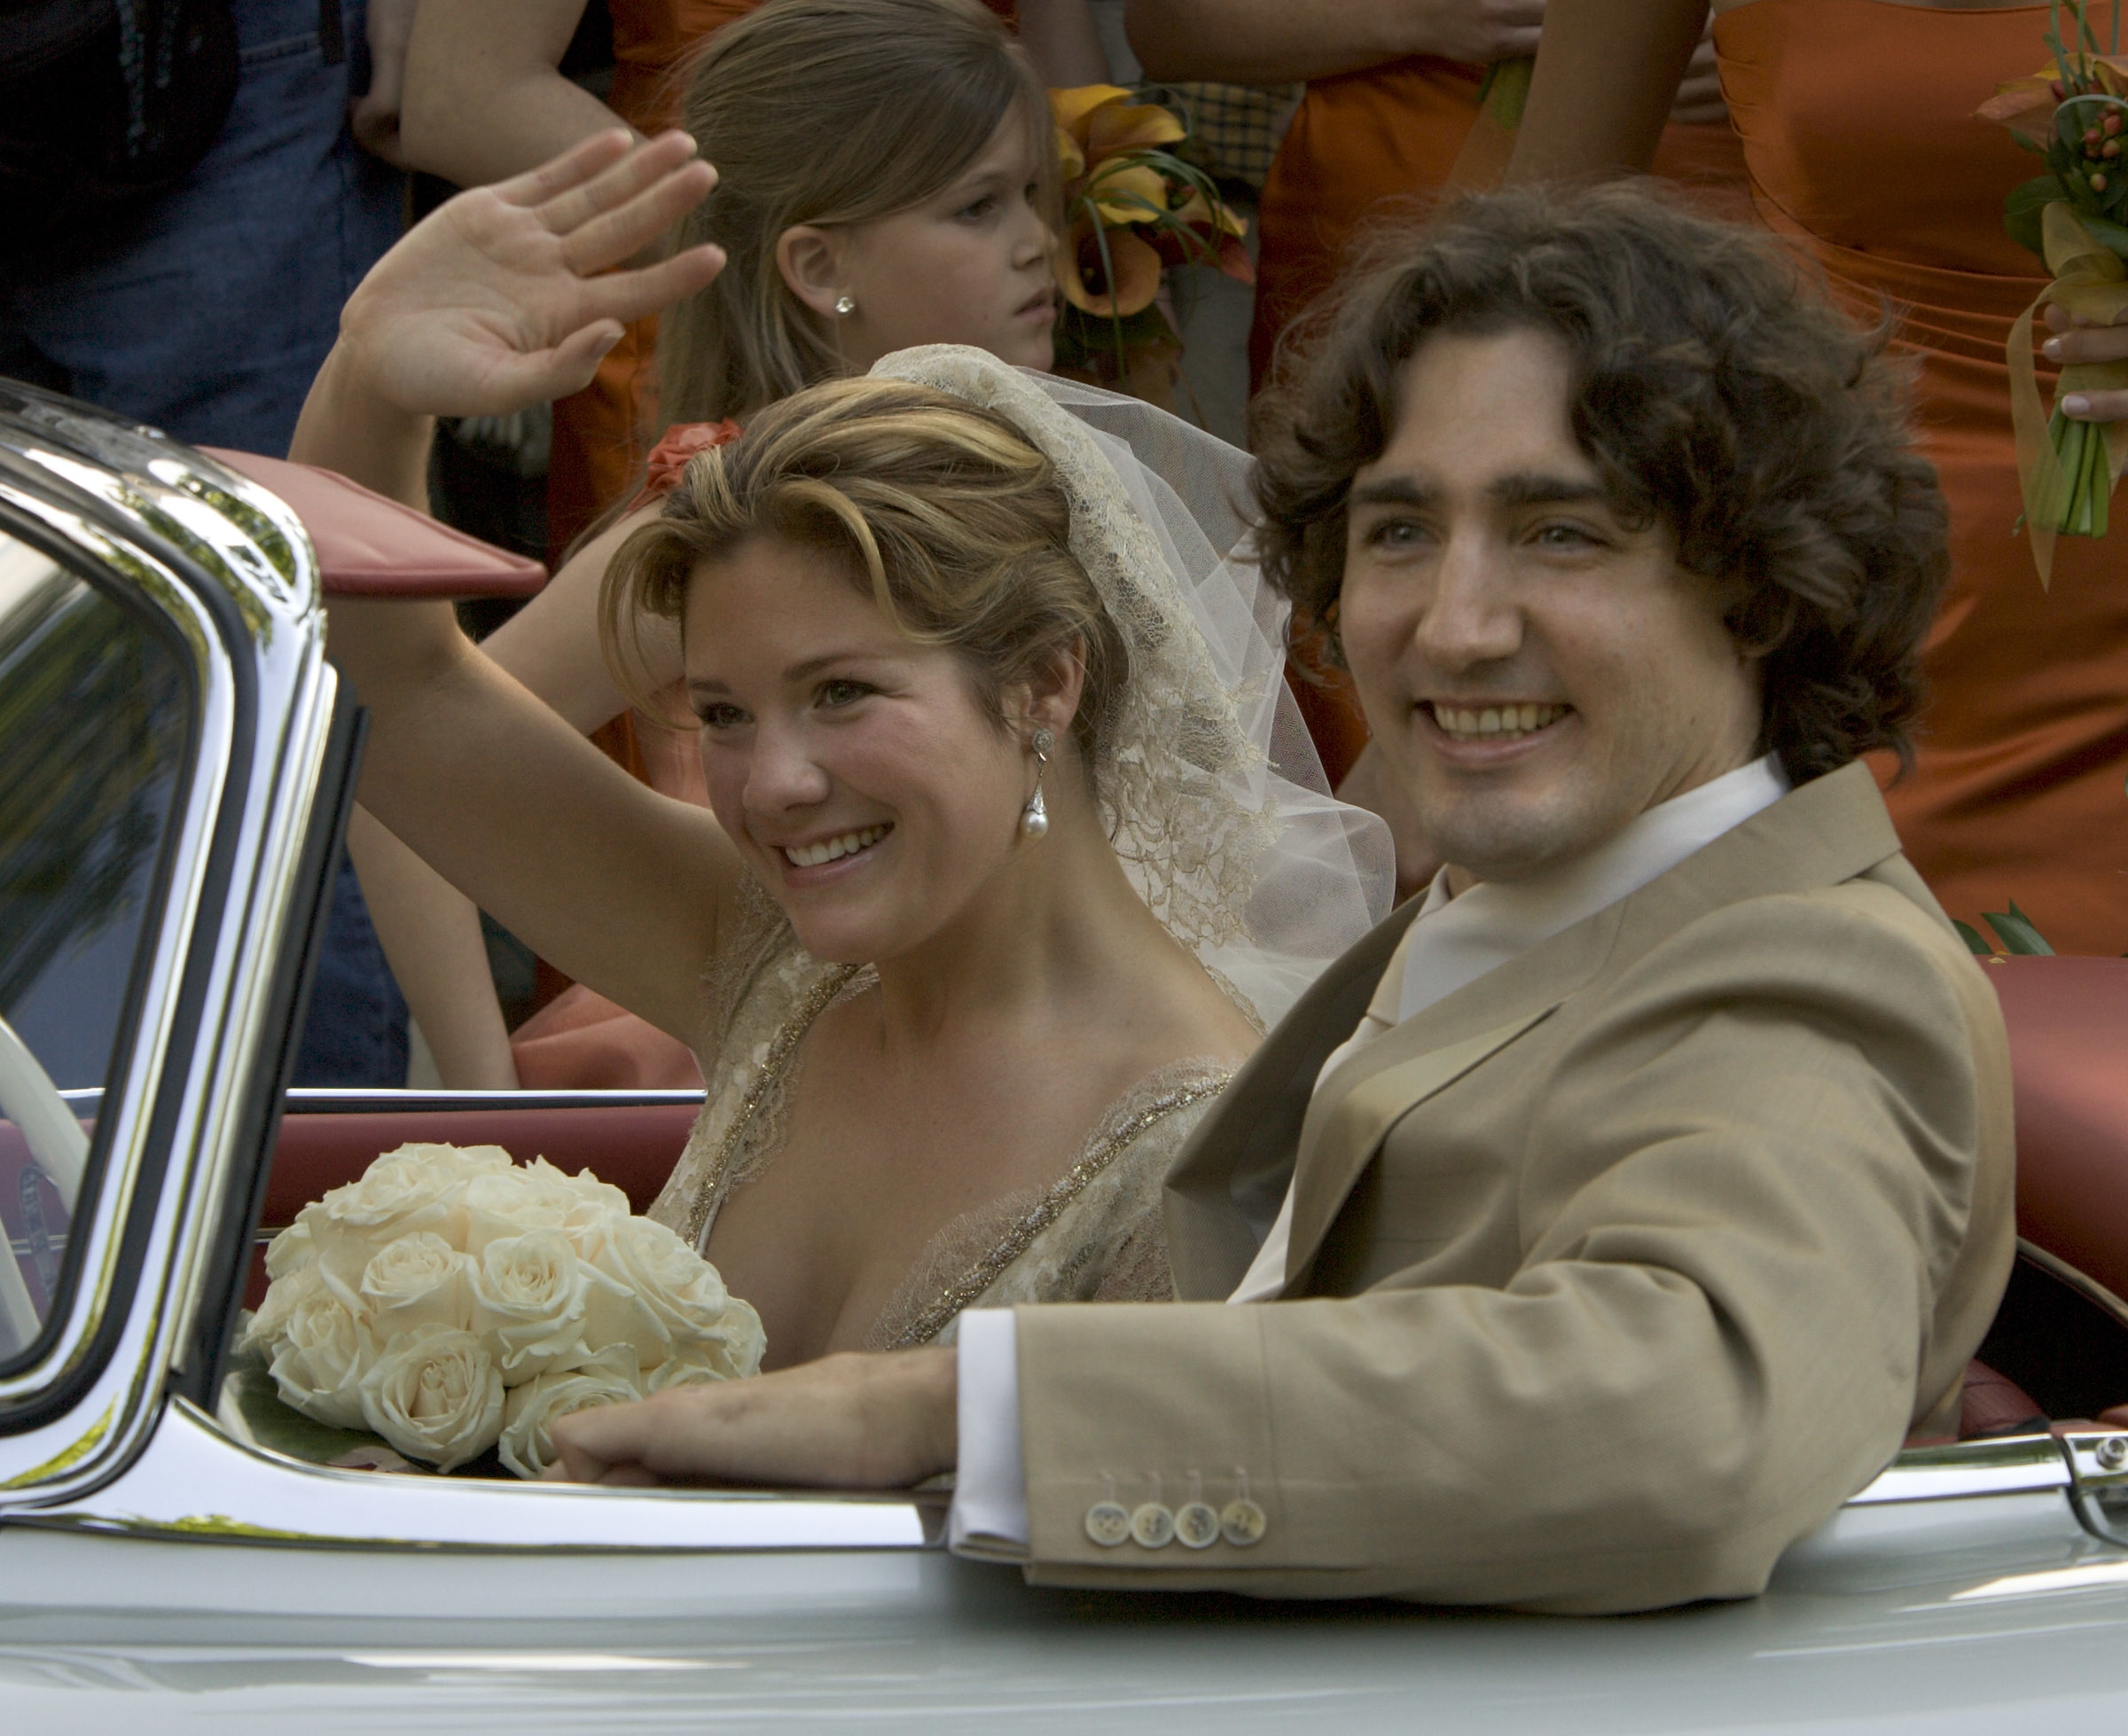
{"x": 506, "y": 296}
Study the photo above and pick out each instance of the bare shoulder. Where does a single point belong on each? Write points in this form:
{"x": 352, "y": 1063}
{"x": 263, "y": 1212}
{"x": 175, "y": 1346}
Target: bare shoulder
{"x": 1183, "y": 1013}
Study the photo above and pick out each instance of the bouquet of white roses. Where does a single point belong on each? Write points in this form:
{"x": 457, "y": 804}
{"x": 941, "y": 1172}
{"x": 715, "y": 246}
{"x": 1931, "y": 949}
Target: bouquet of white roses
{"x": 451, "y": 1299}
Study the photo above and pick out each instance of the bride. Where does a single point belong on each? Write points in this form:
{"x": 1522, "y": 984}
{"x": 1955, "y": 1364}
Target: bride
{"x": 999, "y": 883}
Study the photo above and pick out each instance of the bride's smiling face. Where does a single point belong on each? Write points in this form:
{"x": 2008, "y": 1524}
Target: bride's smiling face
{"x": 854, "y": 769}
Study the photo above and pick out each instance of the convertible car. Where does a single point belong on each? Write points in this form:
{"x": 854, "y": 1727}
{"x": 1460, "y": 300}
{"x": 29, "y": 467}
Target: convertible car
{"x": 175, "y": 760}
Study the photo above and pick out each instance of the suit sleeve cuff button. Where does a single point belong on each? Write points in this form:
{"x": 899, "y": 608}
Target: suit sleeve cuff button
{"x": 1152, "y": 1526}
{"x": 1107, "y": 1524}
{"x": 1241, "y": 1523}
{"x": 1196, "y": 1525}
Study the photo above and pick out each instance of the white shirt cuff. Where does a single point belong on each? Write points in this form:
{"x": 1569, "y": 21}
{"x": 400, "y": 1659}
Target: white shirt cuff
{"x": 990, "y": 1494}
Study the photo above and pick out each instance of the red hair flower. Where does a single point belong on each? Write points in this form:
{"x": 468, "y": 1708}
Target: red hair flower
{"x": 682, "y": 440}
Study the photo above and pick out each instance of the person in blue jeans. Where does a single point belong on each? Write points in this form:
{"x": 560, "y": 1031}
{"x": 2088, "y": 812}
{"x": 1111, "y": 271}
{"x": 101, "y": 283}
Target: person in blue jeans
{"x": 205, "y": 312}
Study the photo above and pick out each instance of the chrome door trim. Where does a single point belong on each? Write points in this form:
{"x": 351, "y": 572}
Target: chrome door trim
{"x": 351, "y": 1101}
{"x": 194, "y": 1481}
{"x": 2008, "y": 1464}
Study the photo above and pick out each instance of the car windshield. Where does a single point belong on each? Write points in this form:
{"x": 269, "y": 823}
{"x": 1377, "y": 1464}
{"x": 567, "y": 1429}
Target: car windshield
{"x": 95, "y": 712}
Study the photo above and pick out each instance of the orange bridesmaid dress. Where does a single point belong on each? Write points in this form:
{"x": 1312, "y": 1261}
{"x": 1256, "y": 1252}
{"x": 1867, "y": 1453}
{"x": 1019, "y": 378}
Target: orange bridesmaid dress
{"x": 1856, "y": 120}
{"x": 1366, "y": 145}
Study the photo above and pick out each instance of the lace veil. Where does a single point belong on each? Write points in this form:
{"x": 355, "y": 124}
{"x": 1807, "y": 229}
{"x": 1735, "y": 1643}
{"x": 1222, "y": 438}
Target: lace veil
{"x": 1214, "y": 797}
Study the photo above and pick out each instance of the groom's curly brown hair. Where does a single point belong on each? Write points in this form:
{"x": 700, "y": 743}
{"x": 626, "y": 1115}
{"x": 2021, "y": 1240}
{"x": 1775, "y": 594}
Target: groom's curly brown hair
{"x": 1717, "y": 391}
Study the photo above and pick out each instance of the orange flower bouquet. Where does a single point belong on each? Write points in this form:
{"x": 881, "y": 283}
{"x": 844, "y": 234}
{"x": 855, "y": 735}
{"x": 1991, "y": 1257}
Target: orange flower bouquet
{"x": 2074, "y": 113}
{"x": 1134, "y": 212}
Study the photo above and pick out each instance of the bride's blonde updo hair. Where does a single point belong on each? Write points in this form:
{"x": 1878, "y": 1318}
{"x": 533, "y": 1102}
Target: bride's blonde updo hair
{"x": 941, "y": 511}
{"x": 835, "y": 113}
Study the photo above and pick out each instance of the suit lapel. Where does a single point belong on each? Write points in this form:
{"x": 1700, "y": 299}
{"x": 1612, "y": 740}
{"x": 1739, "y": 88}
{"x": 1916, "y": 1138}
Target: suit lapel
{"x": 1225, "y": 1185}
{"x": 1357, "y": 1108}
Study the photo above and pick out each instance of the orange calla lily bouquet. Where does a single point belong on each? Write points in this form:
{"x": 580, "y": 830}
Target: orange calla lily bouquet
{"x": 2074, "y": 113}
{"x": 1134, "y": 211}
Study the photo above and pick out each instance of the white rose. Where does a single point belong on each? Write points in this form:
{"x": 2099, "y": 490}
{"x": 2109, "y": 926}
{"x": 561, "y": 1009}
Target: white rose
{"x": 290, "y": 1251}
{"x": 733, "y": 1355}
{"x": 280, "y": 1299}
{"x": 529, "y": 1410}
{"x": 528, "y": 1302}
{"x": 499, "y": 1206}
{"x": 597, "y": 1205}
{"x": 319, "y": 1350}
{"x": 540, "y": 1197}
{"x": 673, "y": 1283}
{"x": 435, "y": 1395}
{"x": 415, "y": 1280}
{"x": 473, "y": 1159}
{"x": 402, "y": 1191}
{"x": 457, "y": 1163}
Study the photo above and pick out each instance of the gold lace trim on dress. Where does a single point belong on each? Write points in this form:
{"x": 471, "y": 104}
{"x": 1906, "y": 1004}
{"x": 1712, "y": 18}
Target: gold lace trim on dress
{"x": 1111, "y": 1139}
{"x": 767, "y": 1081}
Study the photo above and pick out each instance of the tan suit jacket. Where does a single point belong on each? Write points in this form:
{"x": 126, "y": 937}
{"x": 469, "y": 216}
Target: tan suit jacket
{"x": 1612, "y": 1274}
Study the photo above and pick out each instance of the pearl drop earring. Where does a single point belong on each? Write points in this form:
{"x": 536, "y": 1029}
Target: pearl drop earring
{"x": 846, "y": 304}
{"x": 1033, "y": 818}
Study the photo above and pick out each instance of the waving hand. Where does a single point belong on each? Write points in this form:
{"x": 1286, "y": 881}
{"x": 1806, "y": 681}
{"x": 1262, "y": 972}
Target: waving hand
{"x": 506, "y": 296}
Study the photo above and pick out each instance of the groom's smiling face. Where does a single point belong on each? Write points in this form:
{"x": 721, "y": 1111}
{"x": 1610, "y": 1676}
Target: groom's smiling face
{"x": 1535, "y": 670}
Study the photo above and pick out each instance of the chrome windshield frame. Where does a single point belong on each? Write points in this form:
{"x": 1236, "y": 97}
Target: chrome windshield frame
{"x": 229, "y": 565}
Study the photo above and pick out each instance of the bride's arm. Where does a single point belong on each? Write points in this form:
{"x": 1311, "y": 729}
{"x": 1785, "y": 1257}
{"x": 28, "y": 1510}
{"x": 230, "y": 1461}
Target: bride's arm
{"x": 618, "y": 887}
{"x": 491, "y": 303}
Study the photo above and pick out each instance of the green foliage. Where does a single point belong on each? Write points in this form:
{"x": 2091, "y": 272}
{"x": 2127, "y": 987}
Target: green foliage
{"x": 2015, "y": 935}
{"x": 2022, "y": 208}
{"x": 1505, "y": 90}
{"x": 280, "y": 1428}
{"x": 2081, "y": 506}
{"x": 2094, "y": 185}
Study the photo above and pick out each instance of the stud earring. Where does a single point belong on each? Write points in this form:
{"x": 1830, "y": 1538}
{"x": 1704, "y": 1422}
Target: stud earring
{"x": 846, "y": 304}
{"x": 1033, "y": 818}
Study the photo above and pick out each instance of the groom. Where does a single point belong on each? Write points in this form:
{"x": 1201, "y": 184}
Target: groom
{"x": 1609, "y": 1214}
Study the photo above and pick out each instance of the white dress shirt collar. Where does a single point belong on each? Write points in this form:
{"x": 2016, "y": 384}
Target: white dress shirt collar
{"x": 1456, "y": 941}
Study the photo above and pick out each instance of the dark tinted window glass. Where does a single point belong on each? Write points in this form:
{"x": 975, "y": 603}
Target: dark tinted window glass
{"x": 95, "y": 713}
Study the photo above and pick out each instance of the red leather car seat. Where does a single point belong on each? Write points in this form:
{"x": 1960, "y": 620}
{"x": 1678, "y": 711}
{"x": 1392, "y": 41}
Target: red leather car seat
{"x": 2068, "y": 1021}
